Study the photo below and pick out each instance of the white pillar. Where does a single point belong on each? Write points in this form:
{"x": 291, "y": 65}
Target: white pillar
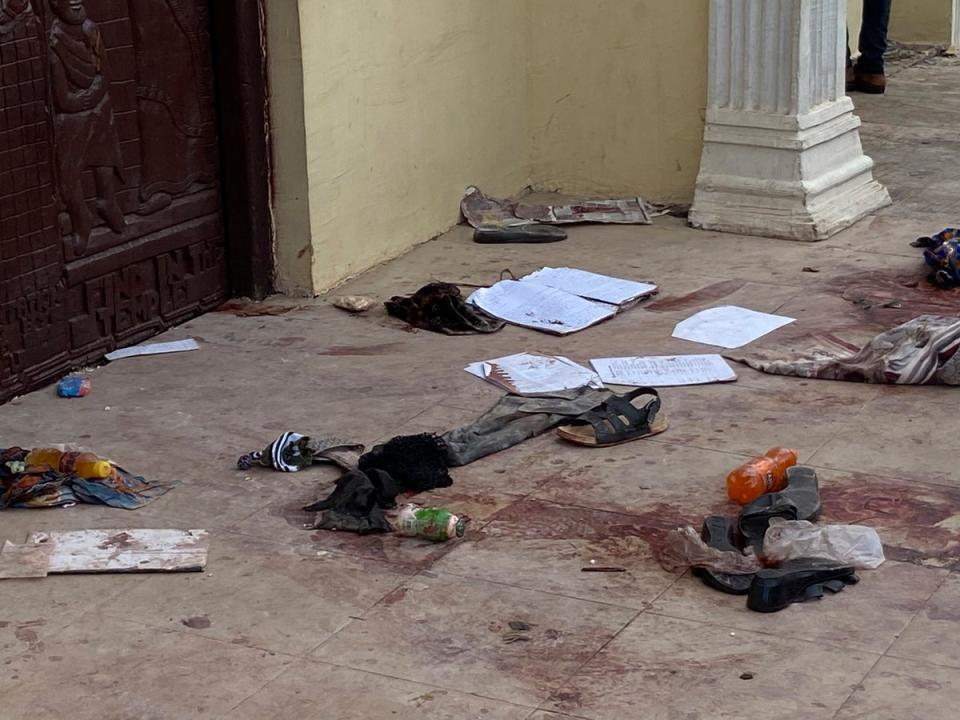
{"x": 782, "y": 154}
{"x": 955, "y": 34}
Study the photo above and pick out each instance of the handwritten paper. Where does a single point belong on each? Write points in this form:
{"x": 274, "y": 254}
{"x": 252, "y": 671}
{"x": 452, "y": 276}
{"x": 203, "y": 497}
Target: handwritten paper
{"x": 592, "y": 286}
{"x": 728, "y": 326}
{"x": 540, "y": 307}
{"x": 534, "y": 374}
{"x": 664, "y": 370}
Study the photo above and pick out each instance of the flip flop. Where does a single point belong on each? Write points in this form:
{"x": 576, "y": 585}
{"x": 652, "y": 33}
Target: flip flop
{"x": 799, "y": 500}
{"x": 798, "y": 580}
{"x": 520, "y": 234}
{"x": 719, "y": 532}
{"x": 617, "y": 421}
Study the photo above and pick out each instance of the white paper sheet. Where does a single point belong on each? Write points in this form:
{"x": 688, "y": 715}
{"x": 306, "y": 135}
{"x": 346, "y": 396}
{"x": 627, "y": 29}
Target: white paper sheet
{"x": 154, "y": 349}
{"x": 592, "y": 286}
{"x": 534, "y": 374}
{"x": 728, "y": 326}
{"x": 664, "y": 370}
{"x": 540, "y": 307}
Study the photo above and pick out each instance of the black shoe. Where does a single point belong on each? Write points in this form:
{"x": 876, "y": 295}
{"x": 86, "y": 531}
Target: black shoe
{"x": 799, "y": 500}
{"x": 718, "y": 532}
{"x": 773, "y": 589}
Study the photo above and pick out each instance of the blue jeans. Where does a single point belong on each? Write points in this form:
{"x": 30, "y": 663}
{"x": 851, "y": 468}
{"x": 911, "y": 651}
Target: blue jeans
{"x": 873, "y": 36}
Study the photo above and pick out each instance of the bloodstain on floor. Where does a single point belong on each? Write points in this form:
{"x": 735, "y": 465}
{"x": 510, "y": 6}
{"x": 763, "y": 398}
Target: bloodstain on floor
{"x": 917, "y": 523}
{"x": 533, "y": 519}
{"x": 358, "y": 350}
{"x": 703, "y": 296}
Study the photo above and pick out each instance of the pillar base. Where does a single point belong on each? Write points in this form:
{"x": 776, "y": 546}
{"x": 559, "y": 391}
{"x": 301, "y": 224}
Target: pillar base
{"x": 799, "y": 178}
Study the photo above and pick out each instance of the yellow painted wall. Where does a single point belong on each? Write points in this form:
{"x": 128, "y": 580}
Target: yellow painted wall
{"x": 407, "y": 102}
{"x": 385, "y": 110}
{"x": 921, "y": 21}
{"x": 293, "y": 248}
{"x": 617, "y": 95}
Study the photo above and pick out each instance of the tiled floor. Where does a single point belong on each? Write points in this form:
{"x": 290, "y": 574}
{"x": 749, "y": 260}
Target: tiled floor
{"x": 289, "y": 623}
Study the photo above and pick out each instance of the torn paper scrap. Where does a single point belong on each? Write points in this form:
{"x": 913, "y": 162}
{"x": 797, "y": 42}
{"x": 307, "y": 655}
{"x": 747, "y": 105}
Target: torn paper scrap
{"x": 154, "y": 349}
{"x": 536, "y": 306}
{"x": 627, "y": 211}
{"x": 535, "y": 374}
{"x": 664, "y": 370}
{"x": 485, "y": 212}
{"x": 96, "y": 551}
{"x": 728, "y": 326}
{"x": 592, "y": 286}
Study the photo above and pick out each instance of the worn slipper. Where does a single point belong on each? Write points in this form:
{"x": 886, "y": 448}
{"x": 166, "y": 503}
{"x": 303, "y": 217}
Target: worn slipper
{"x": 719, "y": 532}
{"x": 798, "y": 580}
{"x": 617, "y": 421}
{"x": 799, "y": 500}
{"x": 520, "y": 234}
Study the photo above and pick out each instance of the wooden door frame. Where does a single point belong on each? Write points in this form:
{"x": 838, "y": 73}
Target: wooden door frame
{"x": 238, "y": 34}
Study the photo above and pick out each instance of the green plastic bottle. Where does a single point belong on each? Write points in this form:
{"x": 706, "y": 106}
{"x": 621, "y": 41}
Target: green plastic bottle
{"x": 435, "y": 524}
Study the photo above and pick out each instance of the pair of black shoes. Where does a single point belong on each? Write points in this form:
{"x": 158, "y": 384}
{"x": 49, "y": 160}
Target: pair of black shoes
{"x": 772, "y": 589}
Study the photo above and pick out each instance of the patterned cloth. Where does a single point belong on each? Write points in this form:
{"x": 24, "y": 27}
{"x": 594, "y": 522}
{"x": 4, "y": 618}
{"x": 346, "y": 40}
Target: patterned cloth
{"x": 923, "y": 351}
{"x": 22, "y": 486}
{"x": 942, "y": 254}
{"x": 292, "y": 452}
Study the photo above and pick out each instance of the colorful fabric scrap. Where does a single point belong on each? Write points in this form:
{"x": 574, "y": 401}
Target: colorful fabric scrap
{"x": 942, "y": 254}
{"x": 924, "y": 351}
{"x": 22, "y": 486}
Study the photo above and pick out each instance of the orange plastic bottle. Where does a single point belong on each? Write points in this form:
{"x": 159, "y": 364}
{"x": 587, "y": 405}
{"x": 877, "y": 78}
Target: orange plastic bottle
{"x": 84, "y": 464}
{"x": 763, "y": 474}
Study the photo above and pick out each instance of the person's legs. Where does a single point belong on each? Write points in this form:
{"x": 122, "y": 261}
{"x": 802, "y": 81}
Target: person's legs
{"x": 873, "y": 36}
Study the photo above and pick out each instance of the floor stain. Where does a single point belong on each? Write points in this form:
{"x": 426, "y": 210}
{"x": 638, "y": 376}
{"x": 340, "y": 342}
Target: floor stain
{"x": 358, "y": 350}
{"x": 918, "y": 524}
{"x": 242, "y": 309}
{"x": 197, "y": 622}
{"x": 703, "y": 296}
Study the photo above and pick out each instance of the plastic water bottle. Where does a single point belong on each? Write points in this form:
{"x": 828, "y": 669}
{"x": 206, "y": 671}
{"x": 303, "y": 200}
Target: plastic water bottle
{"x": 73, "y": 387}
{"x": 84, "y": 464}
{"x": 434, "y": 524}
{"x": 767, "y": 473}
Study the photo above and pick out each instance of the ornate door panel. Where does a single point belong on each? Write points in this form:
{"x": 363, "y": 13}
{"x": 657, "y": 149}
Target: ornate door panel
{"x": 110, "y": 213}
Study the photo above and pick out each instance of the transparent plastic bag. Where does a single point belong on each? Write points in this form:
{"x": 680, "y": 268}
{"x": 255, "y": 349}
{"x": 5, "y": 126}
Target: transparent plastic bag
{"x": 854, "y": 545}
{"x": 683, "y": 548}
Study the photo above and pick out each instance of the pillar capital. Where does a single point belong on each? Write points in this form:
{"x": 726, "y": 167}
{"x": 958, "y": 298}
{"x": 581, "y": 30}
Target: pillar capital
{"x": 782, "y": 154}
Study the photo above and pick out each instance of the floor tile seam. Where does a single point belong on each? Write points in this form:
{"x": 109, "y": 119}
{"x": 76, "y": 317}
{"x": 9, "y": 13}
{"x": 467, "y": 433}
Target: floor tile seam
{"x": 919, "y": 661}
{"x": 943, "y": 581}
{"x": 543, "y": 706}
{"x": 550, "y": 593}
{"x": 459, "y": 691}
{"x": 283, "y": 670}
{"x": 201, "y": 635}
{"x": 405, "y": 568}
{"x": 881, "y": 475}
{"x": 766, "y": 633}
{"x": 401, "y": 678}
{"x": 855, "y": 688}
{"x": 408, "y": 569}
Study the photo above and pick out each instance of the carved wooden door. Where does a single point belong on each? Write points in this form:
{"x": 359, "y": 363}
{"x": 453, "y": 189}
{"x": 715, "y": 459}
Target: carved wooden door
{"x": 110, "y": 213}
